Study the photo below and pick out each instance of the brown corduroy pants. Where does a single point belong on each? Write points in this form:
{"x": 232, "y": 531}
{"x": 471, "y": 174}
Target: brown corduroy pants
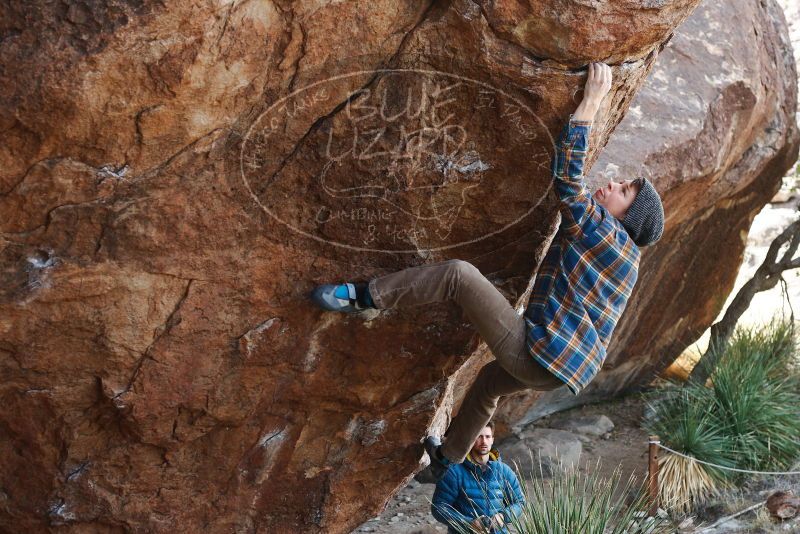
{"x": 498, "y": 323}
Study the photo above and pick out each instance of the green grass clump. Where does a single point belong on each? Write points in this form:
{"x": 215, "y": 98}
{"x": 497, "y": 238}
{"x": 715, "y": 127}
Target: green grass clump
{"x": 584, "y": 502}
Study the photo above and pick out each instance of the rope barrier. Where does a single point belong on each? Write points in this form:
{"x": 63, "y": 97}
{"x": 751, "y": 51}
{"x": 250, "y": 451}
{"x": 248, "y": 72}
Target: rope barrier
{"x": 673, "y": 451}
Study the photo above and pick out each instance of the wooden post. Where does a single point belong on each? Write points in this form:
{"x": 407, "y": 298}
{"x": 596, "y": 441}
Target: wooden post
{"x": 652, "y": 475}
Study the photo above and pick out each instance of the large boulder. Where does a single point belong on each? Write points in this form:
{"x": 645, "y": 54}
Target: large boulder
{"x": 175, "y": 177}
{"x": 714, "y": 129}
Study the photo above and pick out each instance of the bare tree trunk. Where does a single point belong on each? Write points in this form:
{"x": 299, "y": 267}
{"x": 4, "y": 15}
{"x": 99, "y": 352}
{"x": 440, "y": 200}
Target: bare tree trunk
{"x": 766, "y": 276}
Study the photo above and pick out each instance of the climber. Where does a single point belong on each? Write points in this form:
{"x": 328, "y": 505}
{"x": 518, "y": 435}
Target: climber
{"x": 580, "y": 290}
{"x": 481, "y": 494}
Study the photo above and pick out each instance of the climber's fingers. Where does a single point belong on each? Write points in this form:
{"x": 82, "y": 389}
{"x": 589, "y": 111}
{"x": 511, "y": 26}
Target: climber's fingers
{"x": 599, "y": 80}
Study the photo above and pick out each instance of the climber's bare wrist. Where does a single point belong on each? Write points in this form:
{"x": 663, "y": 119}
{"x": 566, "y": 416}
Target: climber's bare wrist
{"x": 587, "y": 109}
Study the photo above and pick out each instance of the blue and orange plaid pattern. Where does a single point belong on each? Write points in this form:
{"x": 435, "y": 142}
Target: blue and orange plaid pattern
{"x": 586, "y": 276}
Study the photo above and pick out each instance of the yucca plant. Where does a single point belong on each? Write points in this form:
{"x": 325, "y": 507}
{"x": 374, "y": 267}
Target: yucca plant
{"x": 684, "y": 420}
{"x": 573, "y": 501}
{"x": 683, "y": 483}
{"x": 757, "y": 396}
{"x": 748, "y": 417}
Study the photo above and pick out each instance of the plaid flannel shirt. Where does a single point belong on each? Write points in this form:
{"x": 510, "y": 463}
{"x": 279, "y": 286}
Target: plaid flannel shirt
{"x": 586, "y": 276}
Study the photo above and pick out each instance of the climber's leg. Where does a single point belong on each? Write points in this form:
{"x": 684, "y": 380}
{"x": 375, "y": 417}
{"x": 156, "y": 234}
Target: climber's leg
{"x": 498, "y": 323}
{"x": 480, "y": 402}
{"x": 477, "y": 409}
{"x": 496, "y": 320}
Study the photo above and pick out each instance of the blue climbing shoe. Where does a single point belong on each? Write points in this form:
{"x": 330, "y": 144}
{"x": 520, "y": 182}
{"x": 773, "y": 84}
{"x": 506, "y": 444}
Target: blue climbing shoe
{"x": 439, "y": 464}
{"x": 341, "y": 298}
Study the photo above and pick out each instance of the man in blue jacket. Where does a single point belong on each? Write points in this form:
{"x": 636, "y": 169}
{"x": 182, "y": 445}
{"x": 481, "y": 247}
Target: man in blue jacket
{"x": 481, "y": 494}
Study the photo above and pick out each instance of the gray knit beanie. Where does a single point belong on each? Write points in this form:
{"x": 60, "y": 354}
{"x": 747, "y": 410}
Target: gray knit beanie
{"x": 645, "y": 218}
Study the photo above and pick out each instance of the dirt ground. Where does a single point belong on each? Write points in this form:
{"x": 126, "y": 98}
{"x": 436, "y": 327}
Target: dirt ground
{"x": 625, "y": 447}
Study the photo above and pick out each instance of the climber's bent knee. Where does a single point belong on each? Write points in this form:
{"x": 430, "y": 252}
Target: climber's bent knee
{"x": 463, "y": 273}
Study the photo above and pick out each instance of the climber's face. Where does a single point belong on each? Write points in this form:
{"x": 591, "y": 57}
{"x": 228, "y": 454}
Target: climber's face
{"x": 617, "y": 197}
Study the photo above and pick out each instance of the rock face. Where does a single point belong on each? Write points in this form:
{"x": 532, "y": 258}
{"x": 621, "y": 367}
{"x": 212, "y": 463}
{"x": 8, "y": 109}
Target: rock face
{"x": 176, "y": 177}
{"x": 592, "y": 425}
{"x": 540, "y": 452}
{"x": 714, "y": 128}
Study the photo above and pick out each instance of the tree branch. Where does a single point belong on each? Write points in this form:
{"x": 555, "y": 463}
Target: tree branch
{"x": 768, "y": 274}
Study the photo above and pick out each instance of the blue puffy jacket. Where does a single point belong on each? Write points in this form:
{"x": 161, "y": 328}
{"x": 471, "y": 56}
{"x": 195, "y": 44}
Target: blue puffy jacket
{"x": 466, "y": 492}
